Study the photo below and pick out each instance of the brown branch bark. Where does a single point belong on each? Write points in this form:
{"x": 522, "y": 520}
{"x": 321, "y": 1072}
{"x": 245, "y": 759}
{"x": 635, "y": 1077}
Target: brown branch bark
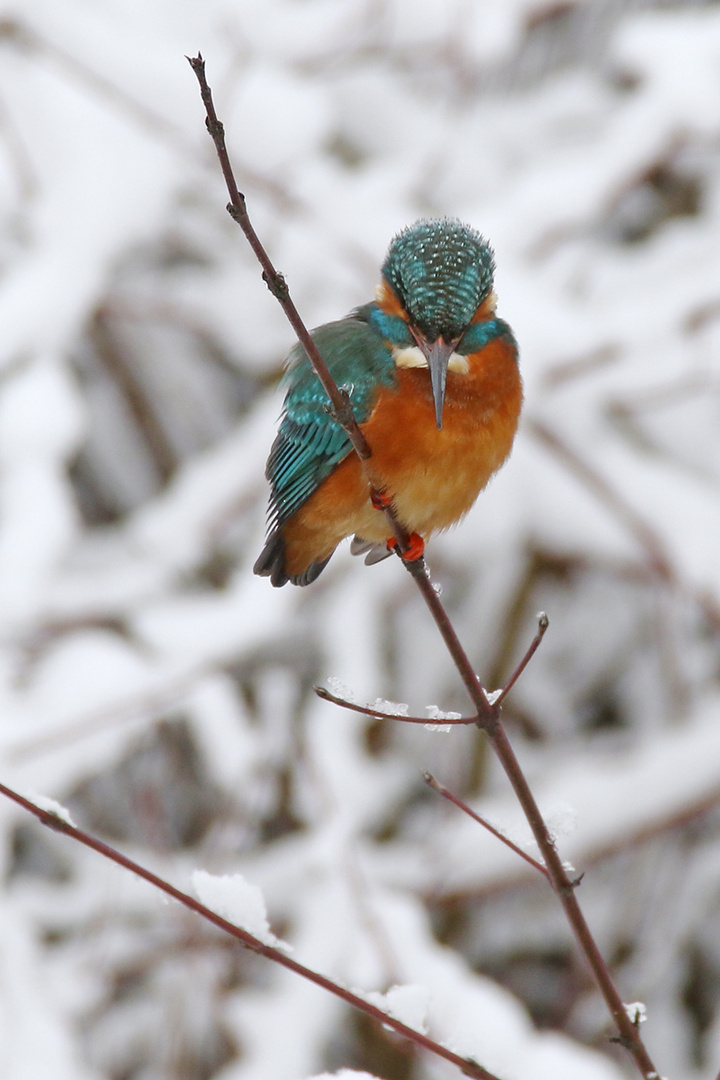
{"x": 378, "y": 714}
{"x": 447, "y": 794}
{"x": 488, "y": 713}
{"x": 341, "y": 407}
{"x": 248, "y": 941}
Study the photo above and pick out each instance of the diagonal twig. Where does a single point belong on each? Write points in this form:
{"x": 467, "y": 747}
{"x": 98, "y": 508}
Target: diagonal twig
{"x": 248, "y": 941}
{"x": 341, "y": 407}
{"x": 488, "y": 712}
{"x": 543, "y": 623}
{"x": 447, "y": 794}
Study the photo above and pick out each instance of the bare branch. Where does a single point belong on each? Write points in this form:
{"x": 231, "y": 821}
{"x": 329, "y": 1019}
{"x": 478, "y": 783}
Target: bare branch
{"x": 341, "y": 406}
{"x": 543, "y": 623}
{"x": 488, "y": 712}
{"x": 447, "y": 794}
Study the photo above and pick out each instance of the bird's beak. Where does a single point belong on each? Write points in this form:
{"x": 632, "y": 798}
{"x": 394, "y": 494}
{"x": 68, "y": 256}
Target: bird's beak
{"x": 438, "y": 354}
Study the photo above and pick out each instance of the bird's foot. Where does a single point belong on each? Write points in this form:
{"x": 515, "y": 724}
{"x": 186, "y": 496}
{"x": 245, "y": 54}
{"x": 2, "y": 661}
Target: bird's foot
{"x": 380, "y": 500}
{"x": 414, "y": 551}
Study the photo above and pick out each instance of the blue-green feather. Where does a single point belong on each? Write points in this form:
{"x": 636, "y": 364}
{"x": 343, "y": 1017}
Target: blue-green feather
{"x": 310, "y": 443}
{"x": 480, "y": 334}
{"x": 441, "y": 271}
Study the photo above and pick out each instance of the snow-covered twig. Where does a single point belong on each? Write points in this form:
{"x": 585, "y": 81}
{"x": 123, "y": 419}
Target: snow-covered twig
{"x": 384, "y": 714}
{"x": 53, "y": 820}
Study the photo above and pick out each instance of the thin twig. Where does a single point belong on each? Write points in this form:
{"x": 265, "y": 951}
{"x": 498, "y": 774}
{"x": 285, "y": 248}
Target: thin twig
{"x": 273, "y": 279}
{"x": 447, "y": 794}
{"x": 248, "y": 941}
{"x": 488, "y": 713}
{"x": 378, "y": 714}
{"x": 341, "y": 405}
{"x": 543, "y": 623}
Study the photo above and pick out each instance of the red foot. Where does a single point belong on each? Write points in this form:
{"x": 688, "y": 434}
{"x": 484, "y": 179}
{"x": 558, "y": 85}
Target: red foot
{"x": 415, "y": 549}
{"x": 380, "y": 500}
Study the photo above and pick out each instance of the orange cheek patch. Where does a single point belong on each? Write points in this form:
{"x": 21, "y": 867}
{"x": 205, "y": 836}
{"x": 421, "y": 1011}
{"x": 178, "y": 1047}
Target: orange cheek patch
{"x": 389, "y": 302}
{"x": 486, "y": 309}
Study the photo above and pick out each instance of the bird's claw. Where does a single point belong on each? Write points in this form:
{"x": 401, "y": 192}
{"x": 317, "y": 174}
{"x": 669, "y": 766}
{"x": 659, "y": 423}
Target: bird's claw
{"x": 380, "y": 500}
{"x": 414, "y": 551}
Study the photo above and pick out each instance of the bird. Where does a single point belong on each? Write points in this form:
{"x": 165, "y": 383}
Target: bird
{"x": 432, "y": 375}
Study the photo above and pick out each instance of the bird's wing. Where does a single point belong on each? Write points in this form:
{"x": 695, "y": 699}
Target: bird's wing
{"x": 303, "y": 455}
{"x": 310, "y": 443}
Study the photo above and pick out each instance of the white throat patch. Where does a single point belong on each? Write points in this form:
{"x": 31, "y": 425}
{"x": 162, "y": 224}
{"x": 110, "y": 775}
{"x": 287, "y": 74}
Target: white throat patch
{"x": 413, "y": 357}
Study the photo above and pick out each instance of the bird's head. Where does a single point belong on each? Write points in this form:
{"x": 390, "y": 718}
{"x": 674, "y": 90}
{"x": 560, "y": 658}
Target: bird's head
{"x": 441, "y": 271}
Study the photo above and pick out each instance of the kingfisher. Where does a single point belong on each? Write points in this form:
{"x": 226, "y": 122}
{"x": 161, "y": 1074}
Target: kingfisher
{"x": 432, "y": 376}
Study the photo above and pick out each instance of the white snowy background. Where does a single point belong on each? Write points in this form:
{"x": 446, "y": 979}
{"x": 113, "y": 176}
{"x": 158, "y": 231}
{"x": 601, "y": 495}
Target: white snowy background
{"x": 164, "y": 695}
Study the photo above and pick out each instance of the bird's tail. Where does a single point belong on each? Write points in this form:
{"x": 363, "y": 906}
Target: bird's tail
{"x": 271, "y": 563}
{"x": 374, "y": 553}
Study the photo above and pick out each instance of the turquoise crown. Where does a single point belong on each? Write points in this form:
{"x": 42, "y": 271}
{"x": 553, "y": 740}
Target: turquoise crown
{"x": 441, "y": 271}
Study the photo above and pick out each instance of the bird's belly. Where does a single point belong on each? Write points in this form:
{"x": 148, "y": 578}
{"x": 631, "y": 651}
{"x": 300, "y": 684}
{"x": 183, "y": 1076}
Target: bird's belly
{"x": 436, "y": 475}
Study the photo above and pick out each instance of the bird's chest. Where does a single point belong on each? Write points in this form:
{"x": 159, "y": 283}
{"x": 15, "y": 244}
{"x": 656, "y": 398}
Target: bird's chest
{"x": 436, "y": 475}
